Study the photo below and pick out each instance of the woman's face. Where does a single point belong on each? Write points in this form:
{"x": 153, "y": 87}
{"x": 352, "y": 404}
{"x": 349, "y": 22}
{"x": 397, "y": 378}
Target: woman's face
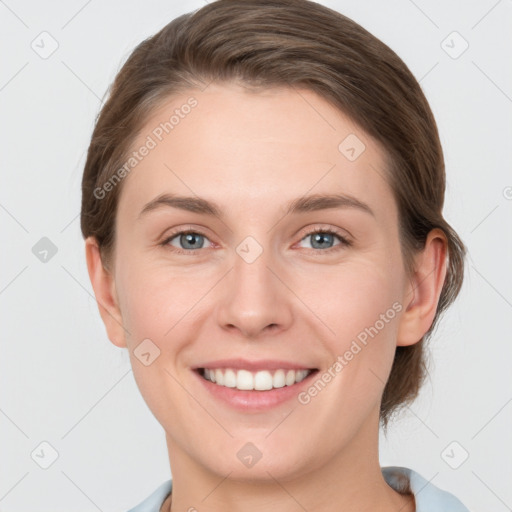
{"x": 252, "y": 286}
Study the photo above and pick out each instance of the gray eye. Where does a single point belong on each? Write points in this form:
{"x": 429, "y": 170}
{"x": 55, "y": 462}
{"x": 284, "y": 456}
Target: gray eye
{"x": 322, "y": 240}
{"x": 190, "y": 241}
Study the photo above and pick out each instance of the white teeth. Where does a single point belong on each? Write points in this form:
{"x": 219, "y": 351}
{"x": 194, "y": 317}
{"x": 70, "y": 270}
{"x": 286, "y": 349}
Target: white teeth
{"x": 278, "y": 381}
{"x": 260, "y": 381}
{"x": 244, "y": 380}
{"x": 230, "y": 379}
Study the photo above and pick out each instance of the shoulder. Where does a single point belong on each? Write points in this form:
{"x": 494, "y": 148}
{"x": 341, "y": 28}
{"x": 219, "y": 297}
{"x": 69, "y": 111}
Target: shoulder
{"x": 155, "y": 500}
{"x": 428, "y": 497}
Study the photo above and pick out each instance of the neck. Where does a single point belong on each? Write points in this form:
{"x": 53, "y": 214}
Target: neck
{"x": 350, "y": 480}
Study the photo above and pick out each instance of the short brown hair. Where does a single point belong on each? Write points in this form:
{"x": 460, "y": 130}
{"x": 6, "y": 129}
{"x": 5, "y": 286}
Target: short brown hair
{"x": 266, "y": 43}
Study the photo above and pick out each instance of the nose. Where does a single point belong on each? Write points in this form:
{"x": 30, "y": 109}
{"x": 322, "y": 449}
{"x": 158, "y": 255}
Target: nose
{"x": 255, "y": 299}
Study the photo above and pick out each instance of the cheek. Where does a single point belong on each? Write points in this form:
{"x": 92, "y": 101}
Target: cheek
{"x": 154, "y": 298}
{"x": 143, "y": 308}
{"x": 351, "y": 297}
{"x": 144, "y": 292}
{"x": 154, "y": 304}
{"x": 360, "y": 304}
{"x": 368, "y": 297}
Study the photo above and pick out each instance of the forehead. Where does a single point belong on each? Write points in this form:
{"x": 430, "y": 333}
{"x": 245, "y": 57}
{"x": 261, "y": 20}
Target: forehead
{"x": 254, "y": 149}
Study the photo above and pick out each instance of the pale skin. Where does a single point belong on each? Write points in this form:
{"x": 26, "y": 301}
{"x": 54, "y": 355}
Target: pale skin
{"x": 251, "y": 154}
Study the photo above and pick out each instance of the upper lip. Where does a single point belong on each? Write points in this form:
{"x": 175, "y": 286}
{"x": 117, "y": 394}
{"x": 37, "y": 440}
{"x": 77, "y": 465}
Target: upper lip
{"x": 244, "y": 364}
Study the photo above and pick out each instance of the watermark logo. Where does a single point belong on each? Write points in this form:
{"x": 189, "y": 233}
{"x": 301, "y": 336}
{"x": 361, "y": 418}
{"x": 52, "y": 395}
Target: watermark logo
{"x": 351, "y": 147}
{"x": 146, "y": 352}
{"x": 249, "y": 249}
{"x": 45, "y": 45}
{"x": 44, "y": 250}
{"x": 44, "y": 455}
{"x": 455, "y": 455}
{"x": 249, "y": 455}
{"x": 454, "y": 45}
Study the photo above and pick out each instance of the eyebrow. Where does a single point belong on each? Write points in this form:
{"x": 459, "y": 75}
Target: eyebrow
{"x": 303, "y": 204}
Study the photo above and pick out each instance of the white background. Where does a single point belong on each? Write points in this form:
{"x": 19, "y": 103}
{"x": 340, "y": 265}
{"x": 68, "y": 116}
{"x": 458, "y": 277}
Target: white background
{"x": 63, "y": 382}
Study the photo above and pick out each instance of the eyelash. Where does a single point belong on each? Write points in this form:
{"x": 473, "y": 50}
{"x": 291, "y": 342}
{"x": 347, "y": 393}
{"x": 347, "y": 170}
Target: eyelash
{"x": 344, "y": 242}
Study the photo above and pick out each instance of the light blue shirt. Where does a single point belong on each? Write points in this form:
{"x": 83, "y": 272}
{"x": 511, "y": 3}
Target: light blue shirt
{"x": 429, "y": 498}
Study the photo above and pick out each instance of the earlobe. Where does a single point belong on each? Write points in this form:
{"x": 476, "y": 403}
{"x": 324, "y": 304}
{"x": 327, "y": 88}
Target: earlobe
{"x": 424, "y": 289}
{"x": 103, "y": 284}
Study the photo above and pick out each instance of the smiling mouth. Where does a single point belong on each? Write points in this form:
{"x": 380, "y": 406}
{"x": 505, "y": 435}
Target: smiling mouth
{"x": 263, "y": 380}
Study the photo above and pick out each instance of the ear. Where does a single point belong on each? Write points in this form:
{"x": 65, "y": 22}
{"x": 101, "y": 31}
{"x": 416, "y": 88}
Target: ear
{"x": 423, "y": 289}
{"x": 103, "y": 284}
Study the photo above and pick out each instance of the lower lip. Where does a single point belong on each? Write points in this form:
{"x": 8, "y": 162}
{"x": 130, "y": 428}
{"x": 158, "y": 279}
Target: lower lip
{"x": 255, "y": 400}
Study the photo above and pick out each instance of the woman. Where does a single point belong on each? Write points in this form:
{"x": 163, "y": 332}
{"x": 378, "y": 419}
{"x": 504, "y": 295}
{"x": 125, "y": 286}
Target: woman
{"x": 262, "y": 208}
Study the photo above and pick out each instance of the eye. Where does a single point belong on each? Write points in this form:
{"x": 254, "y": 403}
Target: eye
{"x": 190, "y": 241}
{"x": 323, "y": 239}
{"x": 185, "y": 241}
